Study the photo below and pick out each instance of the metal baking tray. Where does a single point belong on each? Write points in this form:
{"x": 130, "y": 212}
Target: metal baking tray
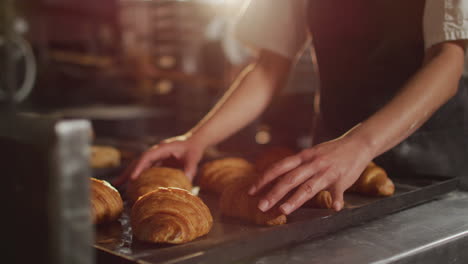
{"x": 231, "y": 240}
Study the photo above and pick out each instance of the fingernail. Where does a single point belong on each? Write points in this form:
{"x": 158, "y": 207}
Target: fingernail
{"x": 263, "y": 205}
{"x": 252, "y": 190}
{"x": 286, "y": 208}
{"x": 337, "y": 206}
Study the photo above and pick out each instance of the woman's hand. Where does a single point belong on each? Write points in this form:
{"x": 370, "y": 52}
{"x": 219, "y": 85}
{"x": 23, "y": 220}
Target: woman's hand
{"x": 183, "y": 148}
{"x": 334, "y": 166}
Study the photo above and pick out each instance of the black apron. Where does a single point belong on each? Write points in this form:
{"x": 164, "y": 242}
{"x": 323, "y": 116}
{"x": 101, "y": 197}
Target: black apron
{"x": 366, "y": 50}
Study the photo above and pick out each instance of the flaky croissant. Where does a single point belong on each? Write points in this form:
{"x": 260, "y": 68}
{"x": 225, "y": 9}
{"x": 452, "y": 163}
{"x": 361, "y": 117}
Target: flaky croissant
{"x": 216, "y": 175}
{"x": 106, "y": 203}
{"x": 236, "y": 202}
{"x": 170, "y": 215}
{"x": 104, "y": 157}
{"x": 373, "y": 182}
{"x": 155, "y": 177}
{"x": 322, "y": 199}
{"x": 272, "y": 155}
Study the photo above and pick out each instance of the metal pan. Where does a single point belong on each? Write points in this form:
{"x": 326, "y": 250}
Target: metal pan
{"x": 231, "y": 240}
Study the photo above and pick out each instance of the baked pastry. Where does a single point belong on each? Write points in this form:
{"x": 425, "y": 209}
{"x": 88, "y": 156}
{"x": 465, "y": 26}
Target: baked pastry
{"x": 104, "y": 157}
{"x": 322, "y": 199}
{"x": 106, "y": 203}
{"x": 155, "y": 177}
{"x": 270, "y": 156}
{"x": 236, "y": 202}
{"x": 170, "y": 215}
{"x": 217, "y": 174}
{"x": 373, "y": 182}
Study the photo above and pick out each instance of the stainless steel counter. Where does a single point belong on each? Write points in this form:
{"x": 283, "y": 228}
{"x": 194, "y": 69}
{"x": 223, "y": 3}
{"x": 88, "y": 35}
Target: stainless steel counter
{"x": 435, "y": 232}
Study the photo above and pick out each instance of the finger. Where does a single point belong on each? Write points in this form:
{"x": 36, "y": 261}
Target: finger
{"x": 278, "y": 169}
{"x": 288, "y": 182}
{"x": 191, "y": 164}
{"x": 147, "y": 159}
{"x": 337, "y": 195}
{"x": 125, "y": 175}
{"x": 304, "y": 193}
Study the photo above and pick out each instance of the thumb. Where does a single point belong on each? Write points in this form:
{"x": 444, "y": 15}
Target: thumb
{"x": 338, "y": 201}
{"x": 191, "y": 164}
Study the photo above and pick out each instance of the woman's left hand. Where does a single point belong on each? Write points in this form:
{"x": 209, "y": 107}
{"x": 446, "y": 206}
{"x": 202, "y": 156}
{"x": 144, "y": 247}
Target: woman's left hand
{"x": 334, "y": 166}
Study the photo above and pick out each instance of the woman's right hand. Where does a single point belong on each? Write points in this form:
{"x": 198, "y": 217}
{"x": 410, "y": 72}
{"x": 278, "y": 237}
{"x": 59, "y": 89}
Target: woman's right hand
{"x": 183, "y": 148}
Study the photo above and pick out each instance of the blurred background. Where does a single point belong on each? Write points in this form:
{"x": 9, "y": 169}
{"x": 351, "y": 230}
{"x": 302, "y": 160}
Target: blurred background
{"x": 140, "y": 70}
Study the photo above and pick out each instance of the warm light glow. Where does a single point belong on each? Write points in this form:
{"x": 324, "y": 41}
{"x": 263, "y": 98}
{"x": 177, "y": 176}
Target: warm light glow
{"x": 230, "y": 7}
{"x": 263, "y": 137}
{"x": 166, "y": 61}
{"x": 163, "y": 87}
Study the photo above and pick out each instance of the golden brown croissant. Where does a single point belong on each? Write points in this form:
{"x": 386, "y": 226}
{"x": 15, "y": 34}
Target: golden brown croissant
{"x": 236, "y": 202}
{"x": 270, "y": 157}
{"x": 322, "y": 199}
{"x": 155, "y": 177}
{"x": 216, "y": 175}
{"x": 106, "y": 203}
{"x": 374, "y": 182}
{"x": 170, "y": 215}
{"x": 104, "y": 157}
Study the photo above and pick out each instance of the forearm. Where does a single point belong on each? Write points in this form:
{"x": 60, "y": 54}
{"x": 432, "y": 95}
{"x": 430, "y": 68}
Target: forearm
{"x": 247, "y": 98}
{"x": 431, "y": 87}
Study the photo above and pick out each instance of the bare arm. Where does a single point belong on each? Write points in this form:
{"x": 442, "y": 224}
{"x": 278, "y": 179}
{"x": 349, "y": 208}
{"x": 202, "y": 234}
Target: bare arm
{"x": 241, "y": 104}
{"x": 431, "y": 87}
{"x": 335, "y": 165}
{"x": 247, "y": 98}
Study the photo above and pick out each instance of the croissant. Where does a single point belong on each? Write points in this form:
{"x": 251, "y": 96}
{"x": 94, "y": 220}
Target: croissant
{"x": 216, "y": 175}
{"x": 374, "y": 182}
{"x": 322, "y": 199}
{"x": 236, "y": 202}
{"x": 170, "y": 215}
{"x": 272, "y": 155}
{"x": 104, "y": 157}
{"x": 106, "y": 203}
{"x": 155, "y": 177}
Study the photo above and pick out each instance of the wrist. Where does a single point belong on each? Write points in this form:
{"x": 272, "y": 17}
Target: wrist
{"x": 363, "y": 140}
{"x": 197, "y": 139}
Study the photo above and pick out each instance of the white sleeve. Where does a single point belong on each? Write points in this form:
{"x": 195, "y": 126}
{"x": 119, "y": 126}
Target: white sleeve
{"x": 275, "y": 25}
{"x": 445, "y": 20}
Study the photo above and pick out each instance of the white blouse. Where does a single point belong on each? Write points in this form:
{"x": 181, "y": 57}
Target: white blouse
{"x": 280, "y": 25}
